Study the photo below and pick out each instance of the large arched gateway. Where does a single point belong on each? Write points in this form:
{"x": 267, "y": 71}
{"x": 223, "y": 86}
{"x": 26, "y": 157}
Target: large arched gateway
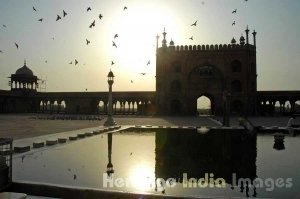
{"x": 184, "y": 73}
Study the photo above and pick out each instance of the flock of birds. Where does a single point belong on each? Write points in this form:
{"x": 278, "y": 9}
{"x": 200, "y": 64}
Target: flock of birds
{"x": 93, "y": 24}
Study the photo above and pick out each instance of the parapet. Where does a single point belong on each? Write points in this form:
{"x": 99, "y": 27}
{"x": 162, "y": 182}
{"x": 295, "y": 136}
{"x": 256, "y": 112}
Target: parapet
{"x": 215, "y": 47}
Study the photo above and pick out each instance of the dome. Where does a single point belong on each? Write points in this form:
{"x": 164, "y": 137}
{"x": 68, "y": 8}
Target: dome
{"x": 110, "y": 74}
{"x": 233, "y": 41}
{"x": 171, "y": 43}
{"x": 242, "y": 40}
{"x": 24, "y": 70}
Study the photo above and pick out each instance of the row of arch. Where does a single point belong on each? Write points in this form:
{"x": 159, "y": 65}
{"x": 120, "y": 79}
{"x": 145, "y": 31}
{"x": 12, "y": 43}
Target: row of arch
{"x": 279, "y": 106}
{"x": 100, "y": 107}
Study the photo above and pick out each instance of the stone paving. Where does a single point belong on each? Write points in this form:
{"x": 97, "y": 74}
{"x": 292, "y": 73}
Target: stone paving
{"x": 19, "y": 126}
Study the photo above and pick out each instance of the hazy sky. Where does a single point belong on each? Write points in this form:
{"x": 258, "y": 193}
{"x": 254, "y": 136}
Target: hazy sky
{"x": 276, "y": 23}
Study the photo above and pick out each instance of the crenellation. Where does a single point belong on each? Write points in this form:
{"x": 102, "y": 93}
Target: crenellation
{"x": 212, "y": 47}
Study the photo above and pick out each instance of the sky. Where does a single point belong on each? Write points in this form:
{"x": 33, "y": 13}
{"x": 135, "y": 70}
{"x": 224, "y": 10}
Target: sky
{"x": 49, "y": 46}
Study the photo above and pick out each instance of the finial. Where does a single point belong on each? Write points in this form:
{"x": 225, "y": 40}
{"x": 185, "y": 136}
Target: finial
{"x": 24, "y": 62}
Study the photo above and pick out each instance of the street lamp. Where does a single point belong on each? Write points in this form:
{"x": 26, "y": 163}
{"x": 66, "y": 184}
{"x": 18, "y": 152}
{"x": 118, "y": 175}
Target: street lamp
{"x": 110, "y": 121}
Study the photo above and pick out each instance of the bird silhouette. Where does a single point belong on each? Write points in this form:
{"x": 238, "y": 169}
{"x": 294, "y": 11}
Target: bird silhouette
{"x": 131, "y": 81}
{"x": 52, "y": 38}
{"x": 74, "y": 177}
{"x": 148, "y": 62}
{"x": 87, "y": 42}
{"x": 233, "y": 23}
{"x": 114, "y": 44}
{"x": 112, "y": 63}
{"x": 100, "y": 16}
{"x": 125, "y": 8}
{"x": 194, "y": 24}
{"x": 76, "y": 62}
{"x": 234, "y": 11}
{"x": 58, "y": 18}
{"x": 131, "y": 153}
{"x": 17, "y": 45}
{"x": 70, "y": 63}
{"x": 41, "y": 19}
{"x": 46, "y": 61}
{"x": 1, "y": 51}
{"x": 33, "y": 8}
{"x": 4, "y": 26}
{"x": 88, "y": 9}
{"x": 116, "y": 35}
{"x": 64, "y": 13}
{"x": 191, "y": 38}
{"x": 92, "y": 24}
{"x": 143, "y": 73}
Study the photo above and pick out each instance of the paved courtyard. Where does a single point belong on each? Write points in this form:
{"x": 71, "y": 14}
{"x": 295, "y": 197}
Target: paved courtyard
{"x": 18, "y": 126}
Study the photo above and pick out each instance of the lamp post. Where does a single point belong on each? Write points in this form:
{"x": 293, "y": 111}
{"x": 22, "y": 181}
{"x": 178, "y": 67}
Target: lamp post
{"x": 110, "y": 121}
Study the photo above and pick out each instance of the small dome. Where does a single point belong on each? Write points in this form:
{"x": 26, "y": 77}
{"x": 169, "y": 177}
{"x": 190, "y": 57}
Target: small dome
{"x": 171, "y": 43}
{"x": 242, "y": 40}
{"x": 110, "y": 74}
{"x": 24, "y": 70}
{"x": 233, "y": 41}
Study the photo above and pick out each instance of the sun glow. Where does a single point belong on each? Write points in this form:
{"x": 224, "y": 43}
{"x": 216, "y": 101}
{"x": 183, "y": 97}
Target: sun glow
{"x": 142, "y": 177}
{"x": 137, "y": 28}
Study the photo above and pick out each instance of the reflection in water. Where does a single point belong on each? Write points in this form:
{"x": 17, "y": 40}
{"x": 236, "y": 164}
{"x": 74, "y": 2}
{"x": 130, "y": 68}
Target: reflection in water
{"x": 279, "y": 141}
{"x": 195, "y": 159}
{"x": 110, "y": 166}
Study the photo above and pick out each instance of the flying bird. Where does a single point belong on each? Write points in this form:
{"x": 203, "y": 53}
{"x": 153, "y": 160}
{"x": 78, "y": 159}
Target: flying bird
{"x": 17, "y": 45}
{"x": 1, "y": 51}
{"x": 87, "y": 42}
{"x": 64, "y": 13}
{"x": 233, "y": 23}
{"x": 100, "y": 16}
{"x": 52, "y": 38}
{"x": 148, "y": 62}
{"x": 33, "y": 8}
{"x": 116, "y": 35}
{"x": 74, "y": 177}
{"x": 58, "y": 18}
{"x": 41, "y": 19}
{"x": 194, "y": 24}
{"x": 76, "y": 62}
{"x": 114, "y": 44}
{"x": 4, "y": 26}
{"x": 92, "y": 24}
{"x": 125, "y": 8}
{"x": 88, "y": 9}
{"x": 70, "y": 63}
{"x": 112, "y": 63}
{"x": 131, "y": 81}
{"x": 191, "y": 38}
{"x": 46, "y": 61}
{"x": 143, "y": 73}
{"x": 234, "y": 11}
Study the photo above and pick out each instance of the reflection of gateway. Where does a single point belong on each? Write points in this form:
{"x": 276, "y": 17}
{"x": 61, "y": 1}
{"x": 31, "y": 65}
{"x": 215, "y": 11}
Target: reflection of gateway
{"x": 220, "y": 153}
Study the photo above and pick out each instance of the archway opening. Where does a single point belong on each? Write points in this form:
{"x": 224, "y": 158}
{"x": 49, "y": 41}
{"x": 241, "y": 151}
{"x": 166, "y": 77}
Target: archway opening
{"x": 204, "y": 106}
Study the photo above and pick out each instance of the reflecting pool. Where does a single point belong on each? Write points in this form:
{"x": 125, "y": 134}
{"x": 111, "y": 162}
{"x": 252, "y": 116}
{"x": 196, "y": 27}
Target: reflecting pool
{"x": 172, "y": 162}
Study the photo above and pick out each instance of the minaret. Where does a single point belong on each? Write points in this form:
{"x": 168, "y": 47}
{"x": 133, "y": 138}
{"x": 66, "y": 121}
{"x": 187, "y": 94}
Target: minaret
{"x": 157, "y": 38}
{"x": 164, "y": 41}
{"x": 247, "y": 35}
{"x": 254, "y": 37}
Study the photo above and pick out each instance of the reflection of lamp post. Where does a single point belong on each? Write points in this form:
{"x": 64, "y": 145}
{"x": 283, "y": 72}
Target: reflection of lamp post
{"x": 110, "y": 166}
{"x": 110, "y": 121}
